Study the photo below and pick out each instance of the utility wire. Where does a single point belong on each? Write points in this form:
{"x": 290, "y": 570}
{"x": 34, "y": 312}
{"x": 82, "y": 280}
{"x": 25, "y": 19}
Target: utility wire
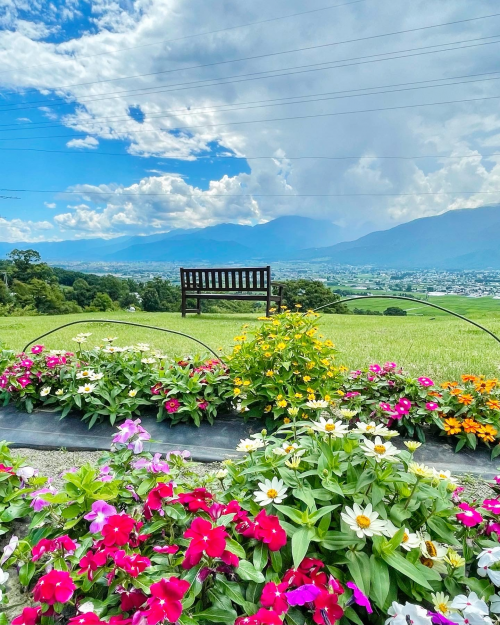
{"x": 262, "y": 121}
{"x": 146, "y": 91}
{"x": 274, "y": 54}
{"x": 97, "y": 121}
{"x": 163, "y": 41}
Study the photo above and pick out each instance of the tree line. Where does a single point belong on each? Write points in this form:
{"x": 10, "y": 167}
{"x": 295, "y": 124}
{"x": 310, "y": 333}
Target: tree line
{"x": 29, "y": 286}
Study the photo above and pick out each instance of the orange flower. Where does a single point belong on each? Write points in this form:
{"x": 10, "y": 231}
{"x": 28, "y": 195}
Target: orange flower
{"x": 487, "y": 433}
{"x": 469, "y": 378}
{"x": 493, "y": 404}
{"x": 466, "y": 399}
{"x": 470, "y": 425}
{"x": 452, "y": 426}
{"x": 449, "y": 384}
{"x": 434, "y": 394}
{"x": 485, "y": 386}
{"x": 456, "y": 391}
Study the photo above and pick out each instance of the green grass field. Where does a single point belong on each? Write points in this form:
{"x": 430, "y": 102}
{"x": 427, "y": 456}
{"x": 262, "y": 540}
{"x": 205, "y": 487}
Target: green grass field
{"x": 443, "y": 347}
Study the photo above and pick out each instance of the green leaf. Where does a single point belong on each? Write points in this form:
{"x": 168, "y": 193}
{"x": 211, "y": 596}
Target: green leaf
{"x": 352, "y": 616}
{"x": 321, "y": 512}
{"x": 291, "y": 513}
{"x": 216, "y": 615}
{"x": 380, "y": 581}
{"x": 300, "y": 543}
{"x": 233, "y": 591}
{"x": 276, "y": 561}
{"x": 260, "y": 556}
{"x": 338, "y": 540}
{"x": 248, "y": 572}
{"x": 295, "y": 617}
{"x": 442, "y": 529}
{"x": 395, "y": 541}
{"x": 359, "y": 568}
{"x": 235, "y": 547}
{"x": 26, "y": 572}
{"x": 404, "y": 566}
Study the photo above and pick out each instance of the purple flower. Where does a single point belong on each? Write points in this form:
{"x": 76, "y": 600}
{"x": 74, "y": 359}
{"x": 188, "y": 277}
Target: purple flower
{"x": 9, "y": 549}
{"x": 127, "y": 430}
{"x": 130, "y": 488}
{"x": 359, "y": 597}
{"x": 105, "y": 474}
{"x": 153, "y": 466}
{"x": 439, "y": 619}
{"x": 99, "y": 515}
{"x": 38, "y": 502}
{"x": 183, "y": 454}
{"x": 303, "y": 594}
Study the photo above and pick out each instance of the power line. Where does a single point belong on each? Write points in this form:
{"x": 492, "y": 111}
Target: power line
{"x": 262, "y": 121}
{"x": 193, "y": 158}
{"x": 253, "y": 76}
{"x": 274, "y": 54}
{"x": 162, "y": 41}
{"x": 96, "y": 121}
{"x": 288, "y": 195}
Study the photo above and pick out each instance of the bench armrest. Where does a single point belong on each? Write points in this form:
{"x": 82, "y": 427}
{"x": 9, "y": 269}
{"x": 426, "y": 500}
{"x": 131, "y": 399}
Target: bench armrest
{"x": 277, "y": 284}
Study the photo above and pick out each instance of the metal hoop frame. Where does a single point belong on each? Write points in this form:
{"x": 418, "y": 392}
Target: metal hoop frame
{"x": 126, "y": 323}
{"x": 410, "y": 299}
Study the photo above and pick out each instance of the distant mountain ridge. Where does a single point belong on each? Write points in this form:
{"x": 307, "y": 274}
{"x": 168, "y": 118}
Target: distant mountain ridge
{"x": 457, "y": 239}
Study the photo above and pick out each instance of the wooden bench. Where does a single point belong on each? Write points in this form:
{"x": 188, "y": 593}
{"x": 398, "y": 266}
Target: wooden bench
{"x": 244, "y": 283}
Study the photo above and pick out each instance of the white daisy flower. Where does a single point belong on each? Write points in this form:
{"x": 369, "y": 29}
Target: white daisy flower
{"x": 59, "y": 392}
{"x": 143, "y": 347}
{"x": 337, "y": 429}
{"x": 441, "y": 603}
{"x": 110, "y": 349}
{"x": 109, "y": 339}
{"x": 221, "y": 474}
{"x": 364, "y": 522}
{"x": 249, "y": 445}
{"x": 410, "y": 539}
{"x": 148, "y": 361}
{"x": 132, "y": 392}
{"x": 87, "y": 388}
{"x": 348, "y": 414}
{"x": 444, "y": 475}
{"x": 378, "y": 450}
{"x": 86, "y": 373}
{"x": 271, "y": 491}
{"x": 45, "y": 391}
{"x": 371, "y": 429}
{"x": 433, "y": 554}
{"x": 402, "y": 614}
{"x": 96, "y": 376}
{"x": 4, "y": 576}
{"x": 317, "y": 404}
{"x": 79, "y": 339}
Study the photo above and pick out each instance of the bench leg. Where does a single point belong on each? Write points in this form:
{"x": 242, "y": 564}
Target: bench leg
{"x": 183, "y": 304}
{"x": 198, "y": 304}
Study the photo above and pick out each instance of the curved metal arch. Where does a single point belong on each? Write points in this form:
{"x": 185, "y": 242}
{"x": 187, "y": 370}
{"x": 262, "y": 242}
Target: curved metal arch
{"x": 410, "y": 299}
{"x": 127, "y": 323}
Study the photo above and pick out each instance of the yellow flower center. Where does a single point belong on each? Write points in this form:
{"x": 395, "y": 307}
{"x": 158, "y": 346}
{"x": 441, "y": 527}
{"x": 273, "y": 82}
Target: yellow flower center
{"x": 443, "y": 608}
{"x": 370, "y": 427}
{"x": 272, "y": 493}
{"x": 363, "y": 521}
{"x": 427, "y": 562}
{"x": 431, "y": 549}
{"x": 289, "y": 449}
{"x": 379, "y": 449}
{"x": 406, "y": 538}
{"x": 330, "y": 427}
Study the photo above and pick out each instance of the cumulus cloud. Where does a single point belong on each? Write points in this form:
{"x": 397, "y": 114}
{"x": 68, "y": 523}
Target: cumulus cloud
{"x": 50, "y": 204}
{"x": 14, "y": 230}
{"x": 155, "y": 38}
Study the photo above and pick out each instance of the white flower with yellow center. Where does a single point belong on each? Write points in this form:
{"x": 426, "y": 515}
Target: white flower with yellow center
{"x": 143, "y": 347}
{"x": 379, "y": 450}
{"x": 109, "y": 339}
{"x": 248, "y": 445}
{"x": 79, "y": 339}
{"x": 271, "y": 491}
{"x": 148, "y": 361}
{"x": 444, "y": 475}
{"x": 410, "y": 539}
{"x": 132, "y": 392}
{"x": 441, "y": 603}
{"x": 364, "y": 522}
{"x": 328, "y": 426}
{"x": 221, "y": 474}
{"x": 59, "y": 392}
{"x": 317, "y": 404}
{"x": 86, "y": 389}
{"x": 110, "y": 349}
{"x": 371, "y": 429}
{"x": 96, "y": 376}
{"x": 85, "y": 374}
{"x": 294, "y": 461}
{"x": 348, "y": 414}
{"x": 45, "y": 391}
{"x": 412, "y": 446}
{"x": 390, "y": 434}
{"x": 420, "y": 470}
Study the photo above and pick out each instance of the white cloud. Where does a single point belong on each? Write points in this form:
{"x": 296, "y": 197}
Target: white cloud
{"x": 14, "y": 230}
{"x": 88, "y": 142}
{"x": 50, "y": 204}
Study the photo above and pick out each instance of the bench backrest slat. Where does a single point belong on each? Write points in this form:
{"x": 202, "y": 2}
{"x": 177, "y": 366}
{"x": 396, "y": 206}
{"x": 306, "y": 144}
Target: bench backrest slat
{"x": 225, "y": 279}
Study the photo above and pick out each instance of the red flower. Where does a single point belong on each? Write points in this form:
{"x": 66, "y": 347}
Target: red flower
{"x": 29, "y": 616}
{"x": 326, "y": 604}
{"x": 46, "y": 545}
{"x": 55, "y": 587}
{"x": 119, "y": 619}
{"x": 165, "y": 602}
{"x": 132, "y": 600}
{"x": 308, "y": 572}
{"x": 273, "y": 596}
{"x": 133, "y": 564}
{"x": 267, "y": 617}
{"x": 155, "y": 497}
{"x": 66, "y": 543}
{"x": 230, "y": 558}
{"x": 269, "y": 531}
{"x": 88, "y": 618}
{"x": 172, "y": 405}
{"x": 196, "y": 500}
{"x": 204, "y": 539}
{"x": 91, "y": 562}
{"x": 4, "y": 469}
{"x": 117, "y": 530}
{"x": 170, "y": 549}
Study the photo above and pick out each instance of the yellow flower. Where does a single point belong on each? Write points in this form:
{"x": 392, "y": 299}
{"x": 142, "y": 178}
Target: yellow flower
{"x": 281, "y": 345}
{"x": 286, "y": 420}
{"x": 268, "y": 408}
{"x": 282, "y": 403}
{"x": 341, "y": 393}
{"x": 236, "y": 391}
{"x": 343, "y": 368}
{"x": 329, "y": 343}
{"x": 307, "y": 378}
{"x": 238, "y": 381}
{"x": 276, "y": 322}
{"x": 267, "y": 354}
{"x": 310, "y": 365}
{"x": 310, "y": 397}
{"x": 270, "y": 373}
{"x": 298, "y": 336}
{"x": 298, "y": 305}
{"x": 298, "y": 395}
{"x": 327, "y": 398}
{"x": 325, "y": 362}
{"x": 265, "y": 347}
{"x": 279, "y": 396}
{"x": 330, "y": 374}
{"x": 246, "y": 383}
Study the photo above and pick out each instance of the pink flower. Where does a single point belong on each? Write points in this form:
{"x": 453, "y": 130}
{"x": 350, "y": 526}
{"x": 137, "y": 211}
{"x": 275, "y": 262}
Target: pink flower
{"x": 23, "y": 381}
{"x": 29, "y": 616}
{"x": 385, "y": 406}
{"x": 165, "y": 602}
{"x": 375, "y": 368}
{"x": 493, "y": 527}
{"x": 37, "y": 349}
{"x": 492, "y": 505}
{"x": 37, "y": 501}
{"x": 273, "y": 596}
{"x": 169, "y": 549}
{"x": 469, "y": 517}
{"x": 99, "y": 515}
{"x": 351, "y": 394}
{"x": 425, "y": 381}
{"x": 400, "y": 411}
{"x": 26, "y": 363}
{"x": 431, "y": 405}
{"x": 55, "y": 587}
{"x": 172, "y": 405}
{"x": 404, "y": 402}
{"x": 203, "y": 405}
{"x": 497, "y": 479}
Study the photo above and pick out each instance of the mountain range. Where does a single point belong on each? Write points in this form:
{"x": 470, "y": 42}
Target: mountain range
{"x": 457, "y": 239}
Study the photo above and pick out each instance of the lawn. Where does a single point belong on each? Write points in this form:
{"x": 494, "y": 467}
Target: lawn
{"x": 442, "y": 346}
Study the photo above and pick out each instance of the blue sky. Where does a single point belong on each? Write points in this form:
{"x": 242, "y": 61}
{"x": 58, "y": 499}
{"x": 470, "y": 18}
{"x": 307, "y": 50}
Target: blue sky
{"x": 93, "y": 94}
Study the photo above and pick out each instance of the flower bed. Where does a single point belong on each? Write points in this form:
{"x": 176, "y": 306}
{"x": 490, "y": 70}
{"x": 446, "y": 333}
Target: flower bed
{"x": 115, "y": 383}
{"x": 319, "y": 524}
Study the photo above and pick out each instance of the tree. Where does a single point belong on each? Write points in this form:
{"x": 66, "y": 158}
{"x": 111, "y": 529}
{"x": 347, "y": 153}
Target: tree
{"x": 101, "y": 302}
{"x": 311, "y": 294}
{"x": 83, "y": 293}
{"x": 27, "y": 265}
{"x": 394, "y": 311}
{"x": 5, "y": 297}
{"x": 150, "y": 300}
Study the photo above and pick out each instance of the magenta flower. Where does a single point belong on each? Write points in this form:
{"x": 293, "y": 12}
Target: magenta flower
{"x": 375, "y": 368}
{"x": 23, "y": 381}
{"x": 431, "y": 405}
{"x": 493, "y": 527}
{"x": 156, "y": 465}
{"x": 99, "y": 515}
{"x": 172, "y": 405}
{"x": 355, "y": 374}
{"x": 400, "y": 411}
{"x": 302, "y": 594}
{"x": 456, "y": 494}
{"x": 497, "y": 479}
{"x": 385, "y": 406}
{"x": 182, "y": 454}
{"x": 37, "y": 349}
{"x": 439, "y": 619}
{"x": 37, "y": 501}
{"x": 128, "y": 429}
{"x": 26, "y": 363}
{"x": 425, "y": 381}
{"x": 203, "y": 405}
{"x": 404, "y": 402}
{"x": 389, "y": 366}
{"x": 492, "y": 505}
{"x": 351, "y": 394}
{"x": 469, "y": 517}
{"x": 359, "y": 598}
